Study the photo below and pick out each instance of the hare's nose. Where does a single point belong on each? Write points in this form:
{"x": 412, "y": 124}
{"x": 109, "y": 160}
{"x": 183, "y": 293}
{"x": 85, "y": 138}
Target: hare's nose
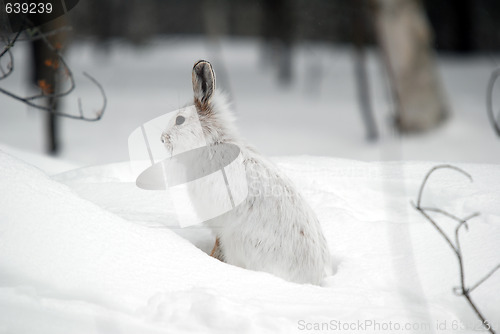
{"x": 164, "y": 138}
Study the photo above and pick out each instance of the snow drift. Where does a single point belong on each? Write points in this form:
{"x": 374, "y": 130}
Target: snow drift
{"x": 87, "y": 252}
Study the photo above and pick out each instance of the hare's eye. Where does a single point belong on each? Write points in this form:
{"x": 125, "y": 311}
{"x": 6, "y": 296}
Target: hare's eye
{"x": 179, "y": 120}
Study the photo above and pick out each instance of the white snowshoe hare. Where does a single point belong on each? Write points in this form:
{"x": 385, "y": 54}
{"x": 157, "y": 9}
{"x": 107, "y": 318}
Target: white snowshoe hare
{"x": 273, "y": 230}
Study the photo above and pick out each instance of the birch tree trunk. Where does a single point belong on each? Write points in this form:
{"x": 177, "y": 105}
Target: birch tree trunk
{"x": 404, "y": 37}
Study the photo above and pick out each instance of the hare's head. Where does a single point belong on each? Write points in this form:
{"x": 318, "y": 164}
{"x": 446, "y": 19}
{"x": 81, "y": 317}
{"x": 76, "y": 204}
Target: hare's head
{"x": 209, "y": 123}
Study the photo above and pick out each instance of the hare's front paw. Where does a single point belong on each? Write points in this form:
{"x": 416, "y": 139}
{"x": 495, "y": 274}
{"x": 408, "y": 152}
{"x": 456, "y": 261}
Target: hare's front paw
{"x": 217, "y": 251}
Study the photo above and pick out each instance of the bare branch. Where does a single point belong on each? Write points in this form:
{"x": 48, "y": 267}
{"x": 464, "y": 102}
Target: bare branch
{"x": 65, "y": 67}
{"x": 99, "y": 112}
{"x": 42, "y": 95}
{"x": 495, "y": 122}
{"x": 460, "y": 259}
{"x": 432, "y": 171}
{"x": 10, "y": 66}
{"x": 456, "y": 247}
{"x": 7, "y": 50}
{"x": 9, "y": 44}
{"x": 436, "y": 226}
{"x": 449, "y": 215}
{"x": 481, "y": 281}
{"x": 36, "y": 34}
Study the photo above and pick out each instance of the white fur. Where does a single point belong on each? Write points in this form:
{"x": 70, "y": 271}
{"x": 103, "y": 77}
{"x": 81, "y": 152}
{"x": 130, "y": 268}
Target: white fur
{"x": 274, "y": 229}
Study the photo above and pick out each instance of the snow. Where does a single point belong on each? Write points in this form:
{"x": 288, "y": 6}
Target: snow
{"x": 48, "y": 164}
{"x": 87, "y": 252}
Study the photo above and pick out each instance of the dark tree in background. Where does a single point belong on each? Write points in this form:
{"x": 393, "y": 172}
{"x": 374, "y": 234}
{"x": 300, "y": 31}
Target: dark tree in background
{"x": 46, "y": 75}
{"x": 277, "y": 34}
{"x": 457, "y": 25}
{"x": 453, "y": 24}
{"x": 465, "y": 26}
{"x": 359, "y": 25}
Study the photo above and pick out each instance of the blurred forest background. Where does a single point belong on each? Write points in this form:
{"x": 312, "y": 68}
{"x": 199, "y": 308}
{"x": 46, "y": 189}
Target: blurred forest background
{"x": 460, "y": 26}
{"x": 405, "y": 34}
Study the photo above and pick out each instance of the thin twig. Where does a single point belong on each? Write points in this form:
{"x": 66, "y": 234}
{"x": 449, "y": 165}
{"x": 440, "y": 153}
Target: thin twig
{"x": 10, "y": 66}
{"x": 432, "y": 171}
{"x": 81, "y": 116}
{"x": 481, "y": 281}
{"x": 489, "y": 101}
{"x": 37, "y": 34}
{"x": 42, "y": 95}
{"x": 9, "y": 44}
{"x": 449, "y": 215}
{"x": 460, "y": 258}
{"x": 7, "y": 50}
{"x": 456, "y": 247}
{"x": 100, "y": 112}
{"x": 436, "y": 226}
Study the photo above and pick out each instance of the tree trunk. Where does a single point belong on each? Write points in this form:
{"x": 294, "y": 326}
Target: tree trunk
{"x": 278, "y": 34}
{"x": 362, "y": 82}
{"x": 46, "y": 70}
{"x": 404, "y": 37}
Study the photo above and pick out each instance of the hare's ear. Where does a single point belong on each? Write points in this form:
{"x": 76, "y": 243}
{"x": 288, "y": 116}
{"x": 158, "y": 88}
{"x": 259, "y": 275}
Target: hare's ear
{"x": 203, "y": 82}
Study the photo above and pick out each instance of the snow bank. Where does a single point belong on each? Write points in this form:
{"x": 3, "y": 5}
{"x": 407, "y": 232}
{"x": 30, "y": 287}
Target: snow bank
{"x": 48, "y": 164}
{"x": 83, "y": 252}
